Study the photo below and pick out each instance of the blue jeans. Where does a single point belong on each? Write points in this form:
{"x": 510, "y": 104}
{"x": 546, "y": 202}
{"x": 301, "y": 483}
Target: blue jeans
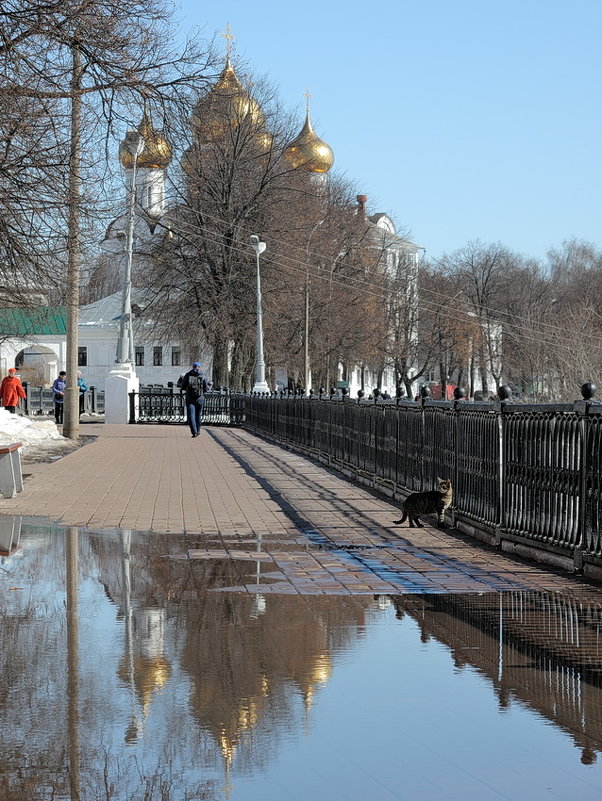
{"x": 194, "y": 410}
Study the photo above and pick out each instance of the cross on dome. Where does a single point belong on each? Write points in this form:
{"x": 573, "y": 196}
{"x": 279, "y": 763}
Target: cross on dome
{"x": 307, "y": 94}
{"x": 229, "y": 37}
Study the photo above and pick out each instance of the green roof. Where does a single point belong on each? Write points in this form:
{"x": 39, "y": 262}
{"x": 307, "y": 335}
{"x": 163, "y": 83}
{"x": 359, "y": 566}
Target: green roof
{"x": 33, "y": 322}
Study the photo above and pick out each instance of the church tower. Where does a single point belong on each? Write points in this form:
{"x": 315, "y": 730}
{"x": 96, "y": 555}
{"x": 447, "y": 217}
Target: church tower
{"x": 149, "y": 199}
{"x": 150, "y": 170}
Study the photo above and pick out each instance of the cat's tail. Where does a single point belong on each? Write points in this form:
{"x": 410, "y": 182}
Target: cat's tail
{"x": 403, "y": 519}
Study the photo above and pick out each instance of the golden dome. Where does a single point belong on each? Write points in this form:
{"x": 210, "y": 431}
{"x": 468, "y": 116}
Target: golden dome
{"x": 308, "y": 152}
{"x": 150, "y": 675}
{"x": 156, "y": 153}
{"x": 319, "y": 673}
{"x": 225, "y": 108}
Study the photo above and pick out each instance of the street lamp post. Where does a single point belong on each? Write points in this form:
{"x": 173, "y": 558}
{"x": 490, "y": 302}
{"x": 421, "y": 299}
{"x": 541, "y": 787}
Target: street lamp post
{"x": 260, "y": 382}
{"x": 122, "y": 381}
{"x": 134, "y": 144}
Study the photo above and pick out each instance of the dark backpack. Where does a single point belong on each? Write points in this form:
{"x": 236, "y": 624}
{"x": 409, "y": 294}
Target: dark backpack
{"x": 195, "y": 386}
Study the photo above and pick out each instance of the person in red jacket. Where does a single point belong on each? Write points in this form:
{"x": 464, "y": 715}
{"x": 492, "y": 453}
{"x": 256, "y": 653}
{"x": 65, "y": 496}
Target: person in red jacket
{"x": 11, "y": 391}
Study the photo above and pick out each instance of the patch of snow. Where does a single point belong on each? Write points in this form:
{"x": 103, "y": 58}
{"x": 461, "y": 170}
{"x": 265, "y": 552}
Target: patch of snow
{"x": 32, "y": 433}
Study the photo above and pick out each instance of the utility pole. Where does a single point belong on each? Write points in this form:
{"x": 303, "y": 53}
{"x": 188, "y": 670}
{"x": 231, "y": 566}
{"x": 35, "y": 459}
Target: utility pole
{"x": 306, "y": 366}
{"x": 71, "y": 397}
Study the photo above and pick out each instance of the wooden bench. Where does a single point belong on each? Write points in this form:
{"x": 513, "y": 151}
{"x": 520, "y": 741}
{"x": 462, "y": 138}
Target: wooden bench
{"x": 11, "y": 477}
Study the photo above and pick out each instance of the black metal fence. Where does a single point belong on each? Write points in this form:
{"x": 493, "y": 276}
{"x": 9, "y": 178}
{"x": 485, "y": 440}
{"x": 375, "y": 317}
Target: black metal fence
{"x": 168, "y": 405}
{"x": 40, "y": 401}
{"x": 528, "y": 475}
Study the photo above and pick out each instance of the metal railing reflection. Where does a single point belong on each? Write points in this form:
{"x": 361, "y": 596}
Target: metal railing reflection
{"x": 538, "y": 648}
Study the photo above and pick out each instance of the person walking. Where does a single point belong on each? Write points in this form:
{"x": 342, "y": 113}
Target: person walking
{"x": 58, "y": 388}
{"x": 83, "y": 388}
{"x": 195, "y": 386}
{"x": 11, "y": 391}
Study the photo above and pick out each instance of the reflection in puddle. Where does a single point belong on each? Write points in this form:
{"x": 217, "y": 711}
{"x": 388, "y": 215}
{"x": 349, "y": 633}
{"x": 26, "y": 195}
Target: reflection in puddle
{"x": 125, "y": 675}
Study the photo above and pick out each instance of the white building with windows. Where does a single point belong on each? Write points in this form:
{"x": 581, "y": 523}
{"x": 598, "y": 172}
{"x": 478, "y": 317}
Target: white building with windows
{"x": 156, "y": 362}
{"x": 399, "y": 260}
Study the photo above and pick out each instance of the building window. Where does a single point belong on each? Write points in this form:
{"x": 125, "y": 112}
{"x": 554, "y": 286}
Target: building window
{"x": 139, "y": 356}
{"x": 82, "y": 357}
{"x": 175, "y": 357}
{"x": 157, "y": 356}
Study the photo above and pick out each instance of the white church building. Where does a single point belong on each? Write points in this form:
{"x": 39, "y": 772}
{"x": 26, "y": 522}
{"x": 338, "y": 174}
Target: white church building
{"x": 156, "y": 362}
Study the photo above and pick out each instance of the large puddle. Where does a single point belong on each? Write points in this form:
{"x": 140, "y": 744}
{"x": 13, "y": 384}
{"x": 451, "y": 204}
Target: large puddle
{"x": 129, "y": 671}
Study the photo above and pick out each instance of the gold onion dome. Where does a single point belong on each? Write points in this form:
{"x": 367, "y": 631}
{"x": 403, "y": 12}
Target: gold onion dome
{"x": 225, "y": 108}
{"x": 150, "y": 675}
{"x": 156, "y": 153}
{"x": 308, "y": 152}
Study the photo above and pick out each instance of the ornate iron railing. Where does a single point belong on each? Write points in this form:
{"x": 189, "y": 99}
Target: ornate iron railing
{"x": 526, "y": 474}
{"x": 166, "y": 405}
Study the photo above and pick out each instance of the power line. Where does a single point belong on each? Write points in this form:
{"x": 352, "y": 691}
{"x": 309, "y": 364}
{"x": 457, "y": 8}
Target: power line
{"x": 365, "y": 286}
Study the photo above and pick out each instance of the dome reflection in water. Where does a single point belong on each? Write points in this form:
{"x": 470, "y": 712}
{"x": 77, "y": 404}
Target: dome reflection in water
{"x": 128, "y": 665}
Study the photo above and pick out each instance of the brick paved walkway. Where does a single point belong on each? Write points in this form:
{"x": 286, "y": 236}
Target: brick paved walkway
{"x": 238, "y": 497}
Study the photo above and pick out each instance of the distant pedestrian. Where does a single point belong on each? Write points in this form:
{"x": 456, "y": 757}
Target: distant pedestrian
{"x": 83, "y": 388}
{"x": 195, "y": 386}
{"x": 11, "y": 391}
{"x": 58, "y": 389}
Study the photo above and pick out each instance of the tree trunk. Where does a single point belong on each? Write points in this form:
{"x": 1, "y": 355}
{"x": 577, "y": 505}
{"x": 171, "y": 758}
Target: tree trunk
{"x": 471, "y": 369}
{"x": 443, "y": 379}
{"x": 220, "y": 362}
{"x": 241, "y": 371}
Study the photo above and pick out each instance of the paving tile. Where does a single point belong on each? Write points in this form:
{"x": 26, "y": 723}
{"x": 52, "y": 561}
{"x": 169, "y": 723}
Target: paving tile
{"x": 321, "y": 533}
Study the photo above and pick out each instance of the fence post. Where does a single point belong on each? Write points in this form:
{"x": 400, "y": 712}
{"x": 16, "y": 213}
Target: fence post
{"x": 425, "y": 394}
{"x": 26, "y": 401}
{"x": 132, "y": 407}
{"x": 582, "y": 407}
{"x": 504, "y": 394}
{"x": 459, "y": 401}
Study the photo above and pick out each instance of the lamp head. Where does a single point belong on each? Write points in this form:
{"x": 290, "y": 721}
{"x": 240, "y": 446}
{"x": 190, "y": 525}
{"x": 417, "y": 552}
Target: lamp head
{"x": 257, "y": 246}
{"x": 134, "y": 143}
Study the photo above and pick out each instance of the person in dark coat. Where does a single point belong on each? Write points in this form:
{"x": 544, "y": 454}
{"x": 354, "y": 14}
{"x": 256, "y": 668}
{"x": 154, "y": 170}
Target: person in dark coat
{"x": 58, "y": 389}
{"x": 195, "y": 385}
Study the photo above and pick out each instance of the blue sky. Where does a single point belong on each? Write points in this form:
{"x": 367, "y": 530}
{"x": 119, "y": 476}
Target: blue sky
{"x": 466, "y": 120}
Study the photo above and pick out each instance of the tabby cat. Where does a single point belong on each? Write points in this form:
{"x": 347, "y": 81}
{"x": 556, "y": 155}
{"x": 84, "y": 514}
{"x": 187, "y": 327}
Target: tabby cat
{"x": 424, "y": 503}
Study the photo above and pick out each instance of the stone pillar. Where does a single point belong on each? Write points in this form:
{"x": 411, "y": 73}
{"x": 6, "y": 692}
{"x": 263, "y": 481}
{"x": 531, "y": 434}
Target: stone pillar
{"x": 119, "y": 383}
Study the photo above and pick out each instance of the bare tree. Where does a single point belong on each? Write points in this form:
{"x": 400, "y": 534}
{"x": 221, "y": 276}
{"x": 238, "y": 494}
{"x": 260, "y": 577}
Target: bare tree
{"x": 77, "y": 64}
{"x": 477, "y": 272}
{"x": 235, "y": 182}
